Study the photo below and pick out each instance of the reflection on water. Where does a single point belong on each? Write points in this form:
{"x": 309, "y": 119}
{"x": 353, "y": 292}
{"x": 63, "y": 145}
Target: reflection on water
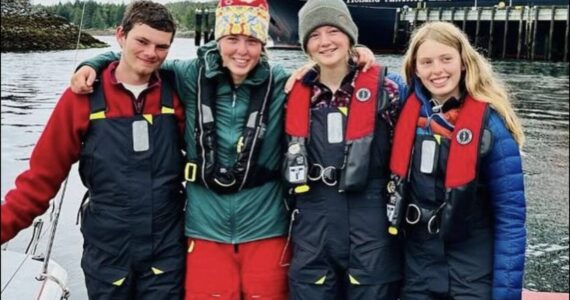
{"x": 32, "y": 83}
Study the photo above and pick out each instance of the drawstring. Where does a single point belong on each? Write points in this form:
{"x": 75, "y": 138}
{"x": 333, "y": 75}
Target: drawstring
{"x": 296, "y": 211}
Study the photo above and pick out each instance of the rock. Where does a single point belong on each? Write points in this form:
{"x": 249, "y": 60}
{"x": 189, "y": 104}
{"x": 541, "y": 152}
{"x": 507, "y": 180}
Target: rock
{"x": 23, "y": 30}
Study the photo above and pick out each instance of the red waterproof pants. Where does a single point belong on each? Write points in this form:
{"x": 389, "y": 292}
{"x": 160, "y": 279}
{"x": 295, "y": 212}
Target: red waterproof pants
{"x": 253, "y": 270}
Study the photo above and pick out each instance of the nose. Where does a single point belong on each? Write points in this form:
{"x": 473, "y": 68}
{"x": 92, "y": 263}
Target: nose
{"x": 325, "y": 39}
{"x": 242, "y": 47}
{"x": 437, "y": 67}
{"x": 150, "y": 51}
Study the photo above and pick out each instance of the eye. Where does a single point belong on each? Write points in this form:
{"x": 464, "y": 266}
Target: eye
{"x": 313, "y": 35}
{"x": 334, "y": 30}
{"x": 163, "y": 47}
{"x": 252, "y": 41}
{"x": 142, "y": 41}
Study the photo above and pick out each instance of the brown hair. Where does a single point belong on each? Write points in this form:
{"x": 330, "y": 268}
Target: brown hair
{"x": 149, "y": 13}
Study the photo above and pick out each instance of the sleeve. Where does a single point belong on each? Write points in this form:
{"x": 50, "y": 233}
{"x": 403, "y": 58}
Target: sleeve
{"x": 186, "y": 75}
{"x": 392, "y": 112}
{"x": 57, "y": 149}
{"x": 402, "y": 86}
{"x": 503, "y": 176}
{"x": 100, "y": 61}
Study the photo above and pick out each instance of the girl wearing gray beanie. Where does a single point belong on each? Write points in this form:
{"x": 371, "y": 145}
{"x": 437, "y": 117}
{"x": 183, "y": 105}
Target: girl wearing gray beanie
{"x": 339, "y": 122}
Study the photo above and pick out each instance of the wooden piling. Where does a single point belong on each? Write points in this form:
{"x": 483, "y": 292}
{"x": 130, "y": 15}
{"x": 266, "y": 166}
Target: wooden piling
{"x": 198, "y": 26}
{"x": 416, "y": 17}
{"x": 478, "y": 26}
{"x": 453, "y": 14}
{"x": 520, "y": 37}
{"x": 427, "y": 14}
{"x": 465, "y": 12}
{"x": 528, "y": 31}
{"x": 551, "y": 33}
{"x": 505, "y": 33}
{"x": 439, "y": 13}
{"x": 491, "y": 31}
{"x": 567, "y": 31}
{"x": 396, "y": 23}
{"x": 534, "y": 30}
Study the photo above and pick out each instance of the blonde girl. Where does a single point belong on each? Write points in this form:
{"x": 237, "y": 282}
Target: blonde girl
{"x": 456, "y": 162}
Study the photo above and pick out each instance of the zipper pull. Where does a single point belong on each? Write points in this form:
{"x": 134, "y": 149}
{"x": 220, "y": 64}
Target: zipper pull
{"x": 234, "y": 99}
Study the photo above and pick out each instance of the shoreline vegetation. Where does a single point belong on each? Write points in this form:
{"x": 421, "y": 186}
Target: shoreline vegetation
{"x": 27, "y": 27}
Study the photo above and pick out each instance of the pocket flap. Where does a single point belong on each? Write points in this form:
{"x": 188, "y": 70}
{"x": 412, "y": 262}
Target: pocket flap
{"x": 311, "y": 276}
{"x": 169, "y": 264}
{"x": 109, "y": 274}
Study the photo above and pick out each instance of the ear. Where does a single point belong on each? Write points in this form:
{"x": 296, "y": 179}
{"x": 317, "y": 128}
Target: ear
{"x": 120, "y": 36}
{"x": 462, "y": 67}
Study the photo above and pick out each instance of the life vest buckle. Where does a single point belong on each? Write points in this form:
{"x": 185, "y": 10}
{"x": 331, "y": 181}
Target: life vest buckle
{"x": 190, "y": 171}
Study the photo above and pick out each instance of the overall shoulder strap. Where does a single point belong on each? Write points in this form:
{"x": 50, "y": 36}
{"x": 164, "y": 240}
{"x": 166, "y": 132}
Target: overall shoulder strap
{"x": 97, "y": 104}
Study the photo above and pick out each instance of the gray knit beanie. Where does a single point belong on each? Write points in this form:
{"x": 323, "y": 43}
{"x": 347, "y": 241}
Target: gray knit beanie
{"x": 317, "y": 13}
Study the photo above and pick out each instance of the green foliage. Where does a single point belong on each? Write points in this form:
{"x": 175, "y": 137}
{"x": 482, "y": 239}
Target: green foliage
{"x": 108, "y": 16}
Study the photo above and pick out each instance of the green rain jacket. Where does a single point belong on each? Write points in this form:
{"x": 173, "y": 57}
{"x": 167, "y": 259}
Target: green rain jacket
{"x": 251, "y": 214}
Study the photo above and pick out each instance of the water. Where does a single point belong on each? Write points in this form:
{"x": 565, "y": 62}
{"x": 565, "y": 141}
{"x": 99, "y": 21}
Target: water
{"x": 33, "y": 82}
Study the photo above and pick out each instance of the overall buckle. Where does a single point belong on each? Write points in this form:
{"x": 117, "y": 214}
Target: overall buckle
{"x": 190, "y": 171}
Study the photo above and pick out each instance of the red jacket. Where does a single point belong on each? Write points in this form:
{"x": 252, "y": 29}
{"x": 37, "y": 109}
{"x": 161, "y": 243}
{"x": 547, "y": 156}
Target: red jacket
{"x": 59, "y": 146}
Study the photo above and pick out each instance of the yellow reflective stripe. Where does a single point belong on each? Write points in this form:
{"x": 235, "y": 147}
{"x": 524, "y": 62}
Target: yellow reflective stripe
{"x": 148, "y": 118}
{"x": 240, "y": 144}
{"x": 191, "y": 247}
{"x": 353, "y": 280}
{"x": 344, "y": 110}
{"x": 97, "y": 115}
{"x": 156, "y": 271}
{"x": 437, "y": 138}
{"x": 167, "y": 110}
{"x": 302, "y": 189}
{"x": 119, "y": 282}
{"x": 321, "y": 281}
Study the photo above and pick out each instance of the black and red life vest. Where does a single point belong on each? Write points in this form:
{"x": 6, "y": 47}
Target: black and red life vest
{"x": 367, "y": 100}
{"x": 462, "y": 169}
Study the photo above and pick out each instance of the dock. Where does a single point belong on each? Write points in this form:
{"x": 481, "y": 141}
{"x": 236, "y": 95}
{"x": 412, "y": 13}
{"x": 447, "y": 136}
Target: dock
{"x": 521, "y": 32}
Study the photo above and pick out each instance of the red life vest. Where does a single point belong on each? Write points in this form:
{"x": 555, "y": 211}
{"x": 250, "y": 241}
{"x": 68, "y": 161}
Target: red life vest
{"x": 464, "y": 149}
{"x": 362, "y": 110}
{"x": 362, "y": 117}
{"x": 462, "y": 164}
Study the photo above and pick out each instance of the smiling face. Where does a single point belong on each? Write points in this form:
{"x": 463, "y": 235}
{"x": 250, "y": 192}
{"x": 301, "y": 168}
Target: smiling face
{"x": 328, "y": 46}
{"x": 439, "y": 68}
{"x": 240, "y": 54}
{"x": 144, "y": 49}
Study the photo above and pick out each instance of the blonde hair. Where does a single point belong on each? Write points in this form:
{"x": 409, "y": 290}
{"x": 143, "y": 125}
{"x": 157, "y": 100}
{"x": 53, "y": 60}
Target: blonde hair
{"x": 480, "y": 81}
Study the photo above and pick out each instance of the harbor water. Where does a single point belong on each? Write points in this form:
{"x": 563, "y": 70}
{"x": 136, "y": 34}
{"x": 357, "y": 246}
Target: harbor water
{"x": 33, "y": 82}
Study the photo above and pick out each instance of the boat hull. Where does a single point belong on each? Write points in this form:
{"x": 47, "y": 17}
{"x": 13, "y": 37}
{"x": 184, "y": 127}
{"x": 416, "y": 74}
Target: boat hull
{"x": 376, "y": 19}
{"x": 19, "y": 278}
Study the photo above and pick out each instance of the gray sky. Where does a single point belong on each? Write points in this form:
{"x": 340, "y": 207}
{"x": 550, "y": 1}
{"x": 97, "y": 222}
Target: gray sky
{"x": 53, "y": 2}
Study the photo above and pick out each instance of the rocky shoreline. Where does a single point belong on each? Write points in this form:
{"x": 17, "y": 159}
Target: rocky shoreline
{"x": 26, "y": 30}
